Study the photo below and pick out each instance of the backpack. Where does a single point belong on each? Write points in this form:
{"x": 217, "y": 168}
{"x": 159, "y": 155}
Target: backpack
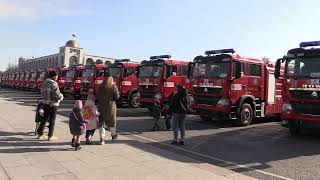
{"x": 87, "y": 113}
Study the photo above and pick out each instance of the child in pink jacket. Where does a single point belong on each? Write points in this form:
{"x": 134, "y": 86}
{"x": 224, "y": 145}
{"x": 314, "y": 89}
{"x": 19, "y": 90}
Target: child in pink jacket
{"x": 92, "y": 122}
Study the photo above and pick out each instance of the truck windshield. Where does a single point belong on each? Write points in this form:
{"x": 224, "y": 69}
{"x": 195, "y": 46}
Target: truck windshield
{"x": 211, "y": 69}
{"x": 150, "y": 71}
{"x": 62, "y": 73}
{"x": 70, "y": 74}
{"x": 304, "y": 67}
{"x": 88, "y": 73}
{"x": 114, "y": 71}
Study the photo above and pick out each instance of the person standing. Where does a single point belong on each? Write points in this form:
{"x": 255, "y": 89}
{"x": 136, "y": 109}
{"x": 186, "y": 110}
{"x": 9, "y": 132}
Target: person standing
{"x": 51, "y": 98}
{"x": 77, "y": 124}
{"x": 107, "y": 95}
{"x": 179, "y": 106}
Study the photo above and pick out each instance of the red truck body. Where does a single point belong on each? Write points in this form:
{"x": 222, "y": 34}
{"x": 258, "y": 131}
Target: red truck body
{"x": 62, "y": 72}
{"x": 157, "y": 78}
{"x": 92, "y": 77}
{"x": 73, "y": 81}
{"x": 124, "y": 75}
{"x": 226, "y": 84}
{"x": 29, "y": 80}
{"x": 301, "y": 86}
{"x": 24, "y": 80}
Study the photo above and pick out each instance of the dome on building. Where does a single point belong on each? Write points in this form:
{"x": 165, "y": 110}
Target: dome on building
{"x": 72, "y": 43}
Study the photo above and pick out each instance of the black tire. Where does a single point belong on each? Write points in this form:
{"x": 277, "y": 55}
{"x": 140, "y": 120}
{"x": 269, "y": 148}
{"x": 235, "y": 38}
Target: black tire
{"x": 133, "y": 100}
{"x": 246, "y": 115}
{"x": 294, "y": 128}
{"x": 206, "y": 118}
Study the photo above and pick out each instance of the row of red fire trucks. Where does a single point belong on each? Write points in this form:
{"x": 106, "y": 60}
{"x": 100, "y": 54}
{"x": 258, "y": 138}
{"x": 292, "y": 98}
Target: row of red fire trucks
{"x": 220, "y": 83}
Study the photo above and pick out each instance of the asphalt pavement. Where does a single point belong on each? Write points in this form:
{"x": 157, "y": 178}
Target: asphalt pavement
{"x": 263, "y": 150}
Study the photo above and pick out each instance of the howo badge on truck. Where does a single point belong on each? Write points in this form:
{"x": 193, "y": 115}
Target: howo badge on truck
{"x": 301, "y": 85}
{"x": 157, "y": 78}
{"x": 226, "y": 84}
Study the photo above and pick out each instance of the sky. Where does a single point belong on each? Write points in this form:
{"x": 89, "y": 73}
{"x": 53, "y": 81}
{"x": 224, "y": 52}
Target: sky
{"x": 137, "y": 29}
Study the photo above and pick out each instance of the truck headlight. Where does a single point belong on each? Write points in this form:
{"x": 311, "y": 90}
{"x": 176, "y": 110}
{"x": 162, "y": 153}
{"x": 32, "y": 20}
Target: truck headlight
{"x": 223, "y": 102}
{"x": 158, "y": 96}
{"x": 286, "y": 108}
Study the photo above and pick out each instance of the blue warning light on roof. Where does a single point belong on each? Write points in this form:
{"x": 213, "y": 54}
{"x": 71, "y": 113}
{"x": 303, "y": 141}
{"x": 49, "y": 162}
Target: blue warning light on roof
{"x": 309, "y": 44}
{"x": 220, "y": 51}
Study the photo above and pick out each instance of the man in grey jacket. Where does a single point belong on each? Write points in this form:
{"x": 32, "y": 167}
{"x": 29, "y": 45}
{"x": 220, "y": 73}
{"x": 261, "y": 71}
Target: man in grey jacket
{"x": 51, "y": 98}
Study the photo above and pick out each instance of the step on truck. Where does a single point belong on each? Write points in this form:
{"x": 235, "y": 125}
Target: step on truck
{"x": 72, "y": 85}
{"x": 157, "y": 78}
{"x": 301, "y": 86}
{"x": 124, "y": 75}
{"x": 92, "y": 77}
{"x": 227, "y": 85}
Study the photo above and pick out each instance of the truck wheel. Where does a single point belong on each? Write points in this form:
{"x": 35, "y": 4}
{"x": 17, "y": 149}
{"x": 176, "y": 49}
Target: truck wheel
{"x": 134, "y": 103}
{"x": 206, "y": 118}
{"x": 246, "y": 115}
{"x": 294, "y": 127}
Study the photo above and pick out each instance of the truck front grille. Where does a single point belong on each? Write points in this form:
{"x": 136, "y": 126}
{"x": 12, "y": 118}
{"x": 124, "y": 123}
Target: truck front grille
{"x": 147, "y": 94}
{"x": 303, "y": 94}
{"x": 207, "y": 100}
{"x": 311, "y": 108}
{"x": 207, "y": 90}
{"x": 147, "y": 87}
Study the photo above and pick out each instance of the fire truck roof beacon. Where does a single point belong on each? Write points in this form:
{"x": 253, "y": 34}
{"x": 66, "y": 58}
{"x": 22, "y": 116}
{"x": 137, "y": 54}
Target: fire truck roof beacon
{"x": 309, "y": 44}
{"x": 220, "y": 51}
{"x": 122, "y": 60}
{"x": 161, "y": 57}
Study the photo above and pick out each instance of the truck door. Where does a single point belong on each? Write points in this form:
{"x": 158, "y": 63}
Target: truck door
{"x": 255, "y": 81}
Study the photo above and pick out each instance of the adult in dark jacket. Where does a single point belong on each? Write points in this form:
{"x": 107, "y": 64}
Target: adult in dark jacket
{"x": 179, "y": 106}
{"x": 107, "y": 95}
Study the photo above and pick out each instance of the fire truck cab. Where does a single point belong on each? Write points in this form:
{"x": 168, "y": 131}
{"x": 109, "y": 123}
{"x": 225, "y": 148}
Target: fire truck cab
{"x": 73, "y": 81}
{"x": 92, "y": 77}
{"x": 24, "y": 79}
{"x": 225, "y": 84}
{"x": 124, "y": 75}
{"x": 62, "y": 72}
{"x": 157, "y": 78}
{"x": 301, "y": 86}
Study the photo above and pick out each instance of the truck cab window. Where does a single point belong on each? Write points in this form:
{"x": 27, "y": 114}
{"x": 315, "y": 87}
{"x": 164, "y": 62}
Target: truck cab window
{"x": 254, "y": 70}
{"x": 129, "y": 71}
{"x": 184, "y": 70}
{"x": 237, "y": 70}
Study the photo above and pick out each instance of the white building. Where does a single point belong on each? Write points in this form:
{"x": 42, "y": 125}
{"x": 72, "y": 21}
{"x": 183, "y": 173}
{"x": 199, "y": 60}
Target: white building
{"x": 69, "y": 55}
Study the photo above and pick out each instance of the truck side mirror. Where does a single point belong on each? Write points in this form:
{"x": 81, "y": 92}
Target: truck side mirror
{"x": 237, "y": 72}
{"x": 277, "y": 69}
{"x": 138, "y": 72}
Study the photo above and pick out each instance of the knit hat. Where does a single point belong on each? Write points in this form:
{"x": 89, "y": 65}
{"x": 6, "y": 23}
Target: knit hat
{"x": 52, "y": 74}
{"x": 78, "y": 104}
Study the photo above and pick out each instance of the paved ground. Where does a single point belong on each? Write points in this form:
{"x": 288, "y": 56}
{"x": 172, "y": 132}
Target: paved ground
{"x": 264, "y": 150}
{"x": 22, "y": 157}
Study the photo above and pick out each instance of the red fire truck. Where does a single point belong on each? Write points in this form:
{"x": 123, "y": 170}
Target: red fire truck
{"x": 124, "y": 75}
{"x": 72, "y": 84}
{"x": 157, "y": 78}
{"x": 62, "y": 72}
{"x": 16, "y": 80}
{"x": 225, "y": 84}
{"x": 92, "y": 77}
{"x": 301, "y": 86}
{"x": 23, "y": 80}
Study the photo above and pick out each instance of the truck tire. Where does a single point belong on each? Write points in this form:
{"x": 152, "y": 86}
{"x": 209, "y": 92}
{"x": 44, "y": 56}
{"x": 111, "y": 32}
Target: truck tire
{"x": 133, "y": 100}
{"x": 205, "y": 118}
{"x": 294, "y": 127}
{"x": 246, "y": 115}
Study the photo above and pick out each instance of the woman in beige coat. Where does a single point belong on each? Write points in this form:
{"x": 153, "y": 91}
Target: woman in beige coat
{"x": 107, "y": 95}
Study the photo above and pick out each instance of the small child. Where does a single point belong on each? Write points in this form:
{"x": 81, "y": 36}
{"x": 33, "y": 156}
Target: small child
{"x": 156, "y": 113}
{"x": 76, "y": 124}
{"x": 91, "y": 114}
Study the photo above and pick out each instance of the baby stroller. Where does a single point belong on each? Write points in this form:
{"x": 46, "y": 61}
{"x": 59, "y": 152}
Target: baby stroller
{"x": 39, "y": 115}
